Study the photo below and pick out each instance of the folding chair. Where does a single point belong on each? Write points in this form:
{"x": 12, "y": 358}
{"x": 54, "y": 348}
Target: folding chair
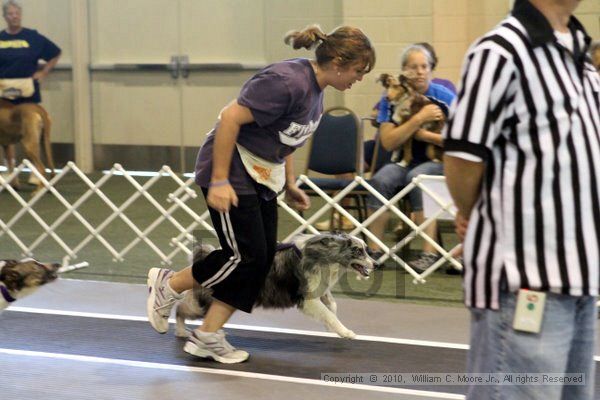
{"x": 336, "y": 149}
{"x": 381, "y": 156}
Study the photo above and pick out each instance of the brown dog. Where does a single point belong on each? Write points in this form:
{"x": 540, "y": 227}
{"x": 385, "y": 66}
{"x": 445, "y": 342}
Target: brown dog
{"x": 407, "y": 102}
{"x": 27, "y": 123}
{"x": 21, "y": 278}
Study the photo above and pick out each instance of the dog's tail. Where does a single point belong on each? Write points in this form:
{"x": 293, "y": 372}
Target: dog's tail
{"x": 47, "y": 124}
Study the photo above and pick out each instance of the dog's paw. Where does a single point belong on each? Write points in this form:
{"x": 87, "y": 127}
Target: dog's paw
{"x": 183, "y": 333}
{"x": 16, "y": 185}
{"x": 347, "y": 334}
{"x": 34, "y": 180}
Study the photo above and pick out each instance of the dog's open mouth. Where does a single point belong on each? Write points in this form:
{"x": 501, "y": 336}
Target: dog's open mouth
{"x": 363, "y": 270}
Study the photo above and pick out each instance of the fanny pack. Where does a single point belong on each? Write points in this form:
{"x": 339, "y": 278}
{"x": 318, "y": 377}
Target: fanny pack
{"x": 267, "y": 173}
{"x": 16, "y": 88}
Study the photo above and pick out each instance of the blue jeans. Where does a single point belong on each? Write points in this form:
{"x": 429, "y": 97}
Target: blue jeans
{"x": 564, "y": 345}
{"x": 391, "y": 178}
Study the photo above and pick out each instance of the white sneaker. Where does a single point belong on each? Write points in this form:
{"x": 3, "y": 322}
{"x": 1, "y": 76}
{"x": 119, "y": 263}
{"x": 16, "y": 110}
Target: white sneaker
{"x": 423, "y": 261}
{"x": 161, "y": 299}
{"x": 214, "y": 345}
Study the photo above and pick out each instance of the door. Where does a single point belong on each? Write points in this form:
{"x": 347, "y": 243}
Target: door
{"x": 161, "y": 71}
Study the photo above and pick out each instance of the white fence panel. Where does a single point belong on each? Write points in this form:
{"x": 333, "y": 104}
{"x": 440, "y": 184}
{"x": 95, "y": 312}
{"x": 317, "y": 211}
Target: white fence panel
{"x": 437, "y": 205}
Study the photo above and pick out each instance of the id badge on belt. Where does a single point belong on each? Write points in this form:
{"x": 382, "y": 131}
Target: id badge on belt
{"x": 529, "y": 311}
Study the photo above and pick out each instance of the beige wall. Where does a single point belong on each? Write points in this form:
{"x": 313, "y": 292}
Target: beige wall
{"x": 449, "y": 25}
{"x": 283, "y": 16}
{"x": 152, "y": 109}
{"x": 391, "y": 25}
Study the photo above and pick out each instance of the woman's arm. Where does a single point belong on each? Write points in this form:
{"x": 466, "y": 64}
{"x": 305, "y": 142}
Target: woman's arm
{"x": 429, "y": 137}
{"x": 43, "y": 73}
{"x": 220, "y": 193}
{"x": 464, "y": 179}
{"x": 392, "y": 137}
{"x": 294, "y": 195}
{"x": 231, "y": 118}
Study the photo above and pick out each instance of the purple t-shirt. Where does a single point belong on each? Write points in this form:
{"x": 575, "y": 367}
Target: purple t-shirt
{"x": 286, "y": 103}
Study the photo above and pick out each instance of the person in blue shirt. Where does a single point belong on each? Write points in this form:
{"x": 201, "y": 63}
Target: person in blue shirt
{"x": 417, "y": 62}
{"x": 20, "y": 51}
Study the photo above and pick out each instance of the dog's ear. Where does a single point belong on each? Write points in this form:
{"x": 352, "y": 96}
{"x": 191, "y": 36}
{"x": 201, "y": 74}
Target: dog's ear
{"x": 404, "y": 80}
{"x": 384, "y": 79}
{"x": 409, "y": 82}
{"x": 325, "y": 240}
{"x": 342, "y": 236}
{"x": 8, "y": 263}
{"x": 13, "y": 280}
{"x": 335, "y": 239}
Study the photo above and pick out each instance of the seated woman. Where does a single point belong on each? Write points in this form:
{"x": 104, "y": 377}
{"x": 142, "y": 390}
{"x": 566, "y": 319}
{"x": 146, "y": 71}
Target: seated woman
{"x": 438, "y": 81}
{"x": 416, "y": 62}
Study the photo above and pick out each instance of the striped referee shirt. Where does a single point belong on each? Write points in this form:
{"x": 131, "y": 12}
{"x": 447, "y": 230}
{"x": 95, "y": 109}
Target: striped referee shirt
{"x": 529, "y": 107}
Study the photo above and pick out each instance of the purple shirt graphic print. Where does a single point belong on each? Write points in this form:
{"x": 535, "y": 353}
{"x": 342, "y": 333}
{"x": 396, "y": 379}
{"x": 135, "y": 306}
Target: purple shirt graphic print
{"x": 286, "y": 103}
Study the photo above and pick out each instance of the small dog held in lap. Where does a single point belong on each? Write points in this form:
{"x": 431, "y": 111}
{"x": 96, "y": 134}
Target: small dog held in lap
{"x": 21, "y": 278}
{"x": 407, "y": 102}
{"x": 302, "y": 275}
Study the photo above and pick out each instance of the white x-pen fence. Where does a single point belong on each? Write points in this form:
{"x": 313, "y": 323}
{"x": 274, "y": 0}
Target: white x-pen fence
{"x": 437, "y": 205}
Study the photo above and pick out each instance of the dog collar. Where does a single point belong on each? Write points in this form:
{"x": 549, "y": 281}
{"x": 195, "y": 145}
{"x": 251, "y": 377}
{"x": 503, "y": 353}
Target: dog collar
{"x": 7, "y": 297}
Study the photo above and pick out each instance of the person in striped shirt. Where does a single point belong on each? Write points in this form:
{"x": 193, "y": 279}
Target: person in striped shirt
{"x": 522, "y": 162}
